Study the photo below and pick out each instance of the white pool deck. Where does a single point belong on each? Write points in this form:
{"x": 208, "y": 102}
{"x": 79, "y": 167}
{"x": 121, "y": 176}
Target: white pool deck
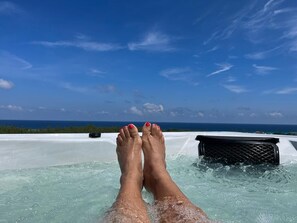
{"x": 41, "y": 150}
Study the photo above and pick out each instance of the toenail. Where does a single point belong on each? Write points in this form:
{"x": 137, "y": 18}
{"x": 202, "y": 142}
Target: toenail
{"x": 131, "y": 126}
{"x": 147, "y": 124}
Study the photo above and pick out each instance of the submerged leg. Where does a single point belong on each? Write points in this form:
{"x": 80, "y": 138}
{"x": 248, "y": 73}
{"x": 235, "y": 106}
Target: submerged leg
{"x": 129, "y": 205}
{"x": 171, "y": 204}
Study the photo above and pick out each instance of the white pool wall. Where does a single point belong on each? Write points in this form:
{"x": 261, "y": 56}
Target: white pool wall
{"x": 41, "y": 150}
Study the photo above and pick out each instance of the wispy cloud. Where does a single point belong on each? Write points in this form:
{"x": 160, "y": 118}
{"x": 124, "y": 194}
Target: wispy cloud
{"x": 71, "y": 87}
{"x": 234, "y": 23}
{"x": 153, "y": 108}
{"x": 146, "y": 108}
{"x": 182, "y": 111}
{"x": 153, "y": 41}
{"x": 287, "y": 90}
{"x": 10, "y": 62}
{"x": 81, "y": 43}
{"x": 263, "y": 19}
{"x": 4, "y": 84}
{"x": 96, "y": 72}
{"x": 258, "y": 20}
{"x": 222, "y": 68}
{"x": 264, "y": 69}
{"x": 235, "y": 88}
{"x": 9, "y": 8}
{"x": 180, "y": 74}
{"x": 215, "y": 48}
{"x": 11, "y": 107}
{"x": 284, "y": 10}
{"x": 276, "y": 114}
{"x": 281, "y": 22}
{"x": 230, "y": 79}
{"x": 176, "y": 74}
{"x": 260, "y": 55}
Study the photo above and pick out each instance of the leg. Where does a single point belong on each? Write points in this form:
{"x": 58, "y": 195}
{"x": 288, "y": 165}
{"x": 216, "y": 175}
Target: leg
{"x": 172, "y": 205}
{"x": 129, "y": 206}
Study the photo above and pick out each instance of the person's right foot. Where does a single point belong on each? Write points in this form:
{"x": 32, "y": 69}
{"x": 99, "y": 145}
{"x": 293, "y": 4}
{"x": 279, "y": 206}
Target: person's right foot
{"x": 153, "y": 146}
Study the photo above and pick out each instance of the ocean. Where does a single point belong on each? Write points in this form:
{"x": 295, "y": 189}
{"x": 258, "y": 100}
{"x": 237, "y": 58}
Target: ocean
{"x": 164, "y": 125}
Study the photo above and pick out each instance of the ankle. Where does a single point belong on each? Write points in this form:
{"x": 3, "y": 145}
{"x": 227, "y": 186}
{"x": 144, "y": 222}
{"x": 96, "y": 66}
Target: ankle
{"x": 131, "y": 178}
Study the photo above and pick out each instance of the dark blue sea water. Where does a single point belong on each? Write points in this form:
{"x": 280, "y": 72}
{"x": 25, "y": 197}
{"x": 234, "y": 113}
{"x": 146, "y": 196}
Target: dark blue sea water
{"x": 164, "y": 125}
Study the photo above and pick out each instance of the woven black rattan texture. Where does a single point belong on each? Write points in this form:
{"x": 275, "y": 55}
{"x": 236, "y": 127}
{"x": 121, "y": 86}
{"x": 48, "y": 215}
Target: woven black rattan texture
{"x": 239, "y": 151}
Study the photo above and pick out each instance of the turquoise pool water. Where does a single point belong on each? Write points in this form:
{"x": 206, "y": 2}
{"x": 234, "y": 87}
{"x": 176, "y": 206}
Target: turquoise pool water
{"x": 83, "y": 192}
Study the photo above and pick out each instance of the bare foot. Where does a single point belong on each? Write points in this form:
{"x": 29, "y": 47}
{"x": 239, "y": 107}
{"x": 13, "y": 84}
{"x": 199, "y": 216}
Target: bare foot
{"x": 129, "y": 154}
{"x": 171, "y": 204}
{"x": 154, "y": 156}
{"x": 129, "y": 205}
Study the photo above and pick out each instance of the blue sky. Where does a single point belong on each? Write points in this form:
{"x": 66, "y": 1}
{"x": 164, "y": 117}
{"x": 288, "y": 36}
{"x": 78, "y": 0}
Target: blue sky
{"x": 180, "y": 61}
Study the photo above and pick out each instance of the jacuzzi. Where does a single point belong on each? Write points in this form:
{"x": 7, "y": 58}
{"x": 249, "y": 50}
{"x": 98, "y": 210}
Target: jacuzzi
{"x": 74, "y": 178}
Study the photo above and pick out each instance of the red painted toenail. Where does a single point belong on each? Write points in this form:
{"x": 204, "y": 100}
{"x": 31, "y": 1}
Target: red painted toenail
{"x": 131, "y": 126}
{"x": 147, "y": 124}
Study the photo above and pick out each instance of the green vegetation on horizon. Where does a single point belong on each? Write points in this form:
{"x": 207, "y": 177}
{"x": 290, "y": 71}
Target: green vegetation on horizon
{"x": 91, "y": 128}
{"x": 72, "y": 129}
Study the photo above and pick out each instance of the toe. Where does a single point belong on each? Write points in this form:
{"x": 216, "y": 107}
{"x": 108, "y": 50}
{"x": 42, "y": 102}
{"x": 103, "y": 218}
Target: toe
{"x": 122, "y": 134}
{"x": 146, "y": 129}
{"x": 154, "y": 130}
{"x": 119, "y": 140}
{"x": 133, "y": 131}
{"x": 126, "y": 132}
{"x": 159, "y": 132}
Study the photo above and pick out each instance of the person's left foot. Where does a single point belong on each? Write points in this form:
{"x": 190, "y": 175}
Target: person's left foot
{"x": 129, "y": 154}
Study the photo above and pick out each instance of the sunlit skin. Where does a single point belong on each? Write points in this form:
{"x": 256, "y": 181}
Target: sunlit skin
{"x": 170, "y": 202}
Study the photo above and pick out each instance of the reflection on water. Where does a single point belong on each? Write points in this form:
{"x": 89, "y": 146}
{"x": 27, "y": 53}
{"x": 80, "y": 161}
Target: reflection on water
{"x": 82, "y": 193}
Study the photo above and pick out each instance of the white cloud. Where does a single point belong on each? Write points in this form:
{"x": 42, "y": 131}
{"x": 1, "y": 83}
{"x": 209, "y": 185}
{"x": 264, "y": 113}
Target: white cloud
{"x": 81, "y": 43}
{"x": 287, "y": 90}
{"x": 153, "y": 108}
{"x": 9, "y": 8}
{"x": 222, "y": 68}
{"x": 11, "y": 107}
{"x": 4, "y": 84}
{"x": 235, "y": 88}
{"x": 276, "y": 114}
{"x": 264, "y": 69}
{"x": 153, "y": 41}
{"x": 136, "y": 111}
